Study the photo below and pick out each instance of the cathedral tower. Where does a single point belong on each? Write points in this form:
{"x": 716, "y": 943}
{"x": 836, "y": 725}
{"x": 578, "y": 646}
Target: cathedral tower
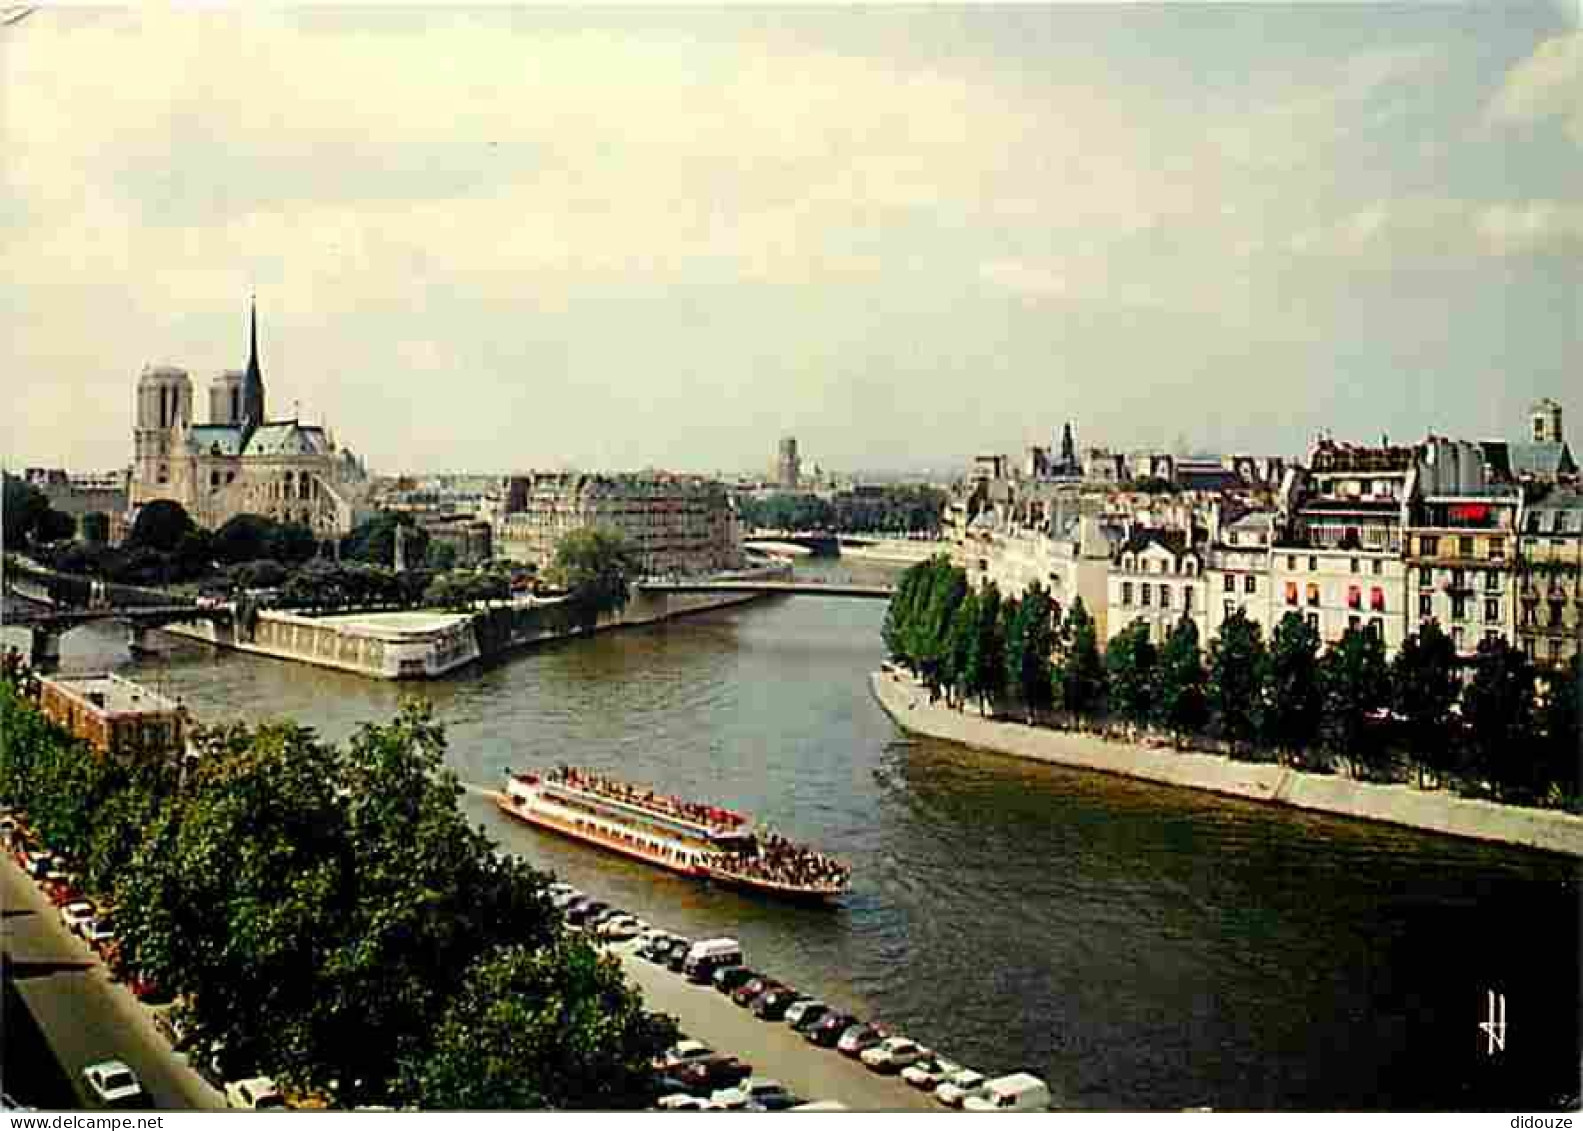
{"x": 252, "y": 381}
{"x": 164, "y": 401}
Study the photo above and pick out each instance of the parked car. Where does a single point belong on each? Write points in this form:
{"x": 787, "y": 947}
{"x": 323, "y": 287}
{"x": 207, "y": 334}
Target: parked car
{"x": 754, "y": 1090}
{"x": 681, "y": 1053}
{"x": 858, "y": 1039}
{"x": 708, "y": 1073}
{"x": 953, "y": 1091}
{"x": 658, "y": 949}
{"x": 1021, "y": 1091}
{"x": 750, "y": 989}
{"x": 98, "y": 934}
{"x": 728, "y": 979}
{"x": 682, "y": 1101}
{"x": 170, "y": 1025}
{"x": 826, "y": 1032}
{"x": 74, "y": 914}
{"x": 619, "y": 928}
{"x": 805, "y": 1014}
{"x": 257, "y": 1094}
{"x": 564, "y": 899}
{"x": 112, "y": 1084}
{"x": 772, "y": 1004}
{"x": 893, "y": 1054}
{"x": 676, "y": 961}
{"x": 930, "y": 1072}
{"x": 579, "y": 914}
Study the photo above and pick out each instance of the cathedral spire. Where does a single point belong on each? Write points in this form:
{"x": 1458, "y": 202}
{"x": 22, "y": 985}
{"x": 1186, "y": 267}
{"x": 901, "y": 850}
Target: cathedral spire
{"x": 253, "y": 381}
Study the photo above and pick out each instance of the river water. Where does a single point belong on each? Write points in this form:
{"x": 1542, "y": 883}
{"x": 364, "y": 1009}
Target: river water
{"x": 1141, "y": 947}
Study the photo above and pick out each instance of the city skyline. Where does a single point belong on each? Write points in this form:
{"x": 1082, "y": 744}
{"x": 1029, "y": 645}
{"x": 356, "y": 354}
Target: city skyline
{"x": 624, "y": 239}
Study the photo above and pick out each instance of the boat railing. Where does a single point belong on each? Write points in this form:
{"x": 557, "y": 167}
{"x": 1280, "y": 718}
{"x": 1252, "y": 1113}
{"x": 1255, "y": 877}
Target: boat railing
{"x": 699, "y": 816}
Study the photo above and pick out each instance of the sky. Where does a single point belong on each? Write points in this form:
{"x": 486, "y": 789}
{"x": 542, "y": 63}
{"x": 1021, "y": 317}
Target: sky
{"x": 500, "y": 239}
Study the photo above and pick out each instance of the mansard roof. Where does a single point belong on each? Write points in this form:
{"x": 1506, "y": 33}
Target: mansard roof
{"x": 288, "y": 438}
{"x": 1172, "y": 540}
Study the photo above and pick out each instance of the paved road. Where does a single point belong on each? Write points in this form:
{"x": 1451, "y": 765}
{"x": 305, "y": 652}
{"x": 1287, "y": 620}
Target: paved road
{"x": 769, "y": 1046}
{"x": 83, "y": 1015}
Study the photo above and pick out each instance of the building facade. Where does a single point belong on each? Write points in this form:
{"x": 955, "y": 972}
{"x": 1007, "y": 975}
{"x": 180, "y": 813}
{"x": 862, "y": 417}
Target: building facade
{"x": 1156, "y": 576}
{"x": 1237, "y": 569}
{"x": 787, "y": 471}
{"x": 676, "y": 524}
{"x": 241, "y": 462}
{"x": 115, "y": 716}
{"x": 1549, "y": 579}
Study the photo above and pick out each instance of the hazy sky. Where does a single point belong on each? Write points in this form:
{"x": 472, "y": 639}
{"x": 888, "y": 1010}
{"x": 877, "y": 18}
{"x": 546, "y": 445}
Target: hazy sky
{"x": 502, "y": 239}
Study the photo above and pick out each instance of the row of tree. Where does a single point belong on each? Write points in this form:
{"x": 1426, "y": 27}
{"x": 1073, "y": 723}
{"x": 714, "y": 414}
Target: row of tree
{"x": 325, "y": 914}
{"x": 885, "y": 510}
{"x": 1484, "y": 721}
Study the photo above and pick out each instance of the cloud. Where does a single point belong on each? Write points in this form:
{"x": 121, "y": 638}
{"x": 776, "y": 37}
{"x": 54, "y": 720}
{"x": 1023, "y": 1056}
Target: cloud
{"x": 1029, "y": 280}
{"x": 1547, "y": 84}
{"x": 1433, "y": 230}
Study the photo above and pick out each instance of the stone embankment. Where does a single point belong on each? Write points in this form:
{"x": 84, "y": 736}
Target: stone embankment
{"x": 907, "y": 702}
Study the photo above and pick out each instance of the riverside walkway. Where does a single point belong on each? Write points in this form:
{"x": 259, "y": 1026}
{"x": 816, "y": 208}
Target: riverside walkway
{"x": 771, "y": 1047}
{"x": 803, "y": 588}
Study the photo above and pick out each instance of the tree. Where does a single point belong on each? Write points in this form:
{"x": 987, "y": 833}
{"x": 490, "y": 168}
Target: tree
{"x": 95, "y": 528}
{"x": 899, "y": 612}
{"x": 959, "y": 648}
{"x": 160, "y": 525}
{"x": 1561, "y": 746}
{"x": 1129, "y": 665}
{"x": 1290, "y": 708}
{"x": 597, "y": 568}
{"x": 1180, "y": 699}
{"x": 986, "y": 666}
{"x": 1238, "y": 663}
{"x": 1029, "y": 642}
{"x": 556, "y": 1028}
{"x": 442, "y": 555}
{"x": 946, "y": 589}
{"x": 244, "y": 538}
{"x": 54, "y": 526}
{"x": 374, "y": 540}
{"x": 1080, "y": 674}
{"x": 23, "y": 506}
{"x": 1425, "y": 686}
{"x": 1353, "y": 683}
{"x": 1498, "y": 707}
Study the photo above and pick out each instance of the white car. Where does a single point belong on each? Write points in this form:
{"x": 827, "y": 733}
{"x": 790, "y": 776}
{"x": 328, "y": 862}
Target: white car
{"x": 113, "y": 1084}
{"x": 930, "y": 1072}
{"x": 953, "y": 1091}
{"x": 680, "y": 1054}
{"x": 257, "y": 1094}
{"x": 683, "y": 1102}
{"x": 893, "y": 1054}
{"x": 76, "y": 913}
{"x": 754, "y": 1090}
{"x": 619, "y": 929}
{"x": 97, "y": 933}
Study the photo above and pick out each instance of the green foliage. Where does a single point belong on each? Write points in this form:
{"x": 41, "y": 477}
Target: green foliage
{"x": 1180, "y": 700}
{"x": 597, "y": 568}
{"x": 160, "y": 525}
{"x": 459, "y": 591}
{"x": 1498, "y": 707}
{"x": 252, "y": 537}
{"x": 23, "y": 506}
{"x": 1291, "y": 707}
{"x": 442, "y": 555}
{"x": 95, "y": 527}
{"x": 1353, "y": 681}
{"x": 986, "y": 665}
{"x": 1030, "y": 639}
{"x": 1561, "y": 739}
{"x": 886, "y": 510}
{"x": 555, "y": 1028}
{"x": 1425, "y": 686}
{"x": 945, "y": 589}
{"x": 1238, "y": 665}
{"x": 55, "y": 526}
{"x": 1130, "y": 662}
{"x": 1080, "y": 673}
{"x": 958, "y": 657}
{"x": 374, "y": 540}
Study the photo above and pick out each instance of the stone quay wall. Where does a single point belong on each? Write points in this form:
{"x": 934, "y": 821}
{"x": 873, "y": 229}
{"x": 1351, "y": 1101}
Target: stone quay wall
{"x": 907, "y": 702}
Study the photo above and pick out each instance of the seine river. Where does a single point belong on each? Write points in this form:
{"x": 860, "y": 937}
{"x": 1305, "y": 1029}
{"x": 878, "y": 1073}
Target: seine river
{"x": 1141, "y": 947}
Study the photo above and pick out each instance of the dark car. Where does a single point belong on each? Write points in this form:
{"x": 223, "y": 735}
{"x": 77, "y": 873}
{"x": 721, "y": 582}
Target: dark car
{"x": 678, "y": 955}
{"x": 808, "y": 1016}
{"x": 728, "y": 978}
{"x": 772, "y": 1006}
{"x": 577, "y": 915}
{"x": 774, "y": 1101}
{"x": 744, "y": 994}
{"x": 657, "y": 949}
{"x": 828, "y": 1029}
{"x": 713, "y": 1072}
{"x": 601, "y": 915}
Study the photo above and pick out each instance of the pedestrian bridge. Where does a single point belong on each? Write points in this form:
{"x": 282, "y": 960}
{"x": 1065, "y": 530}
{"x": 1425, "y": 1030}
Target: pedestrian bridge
{"x": 796, "y": 588}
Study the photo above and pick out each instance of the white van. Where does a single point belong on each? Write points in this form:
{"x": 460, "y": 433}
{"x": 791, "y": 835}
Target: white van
{"x": 709, "y": 955}
{"x": 1021, "y": 1091}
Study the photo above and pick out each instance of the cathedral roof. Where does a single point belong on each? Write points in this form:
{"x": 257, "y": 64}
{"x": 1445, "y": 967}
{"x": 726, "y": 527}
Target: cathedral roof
{"x": 288, "y": 438}
{"x": 215, "y": 439}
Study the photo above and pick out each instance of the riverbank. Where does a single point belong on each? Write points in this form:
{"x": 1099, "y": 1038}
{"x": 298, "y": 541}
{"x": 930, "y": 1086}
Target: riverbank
{"x": 907, "y": 702}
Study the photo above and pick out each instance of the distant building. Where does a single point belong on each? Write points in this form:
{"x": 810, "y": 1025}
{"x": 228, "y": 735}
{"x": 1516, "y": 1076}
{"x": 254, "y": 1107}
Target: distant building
{"x": 241, "y": 462}
{"x": 79, "y": 495}
{"x": 1545, "y": 421}
{"x": 1550, "y": 578}
{"x": 1156, "y": 576}
{"x": 677, "y": 524}
{"x": 115, "y": 716}
{"x": 788, "y": 464}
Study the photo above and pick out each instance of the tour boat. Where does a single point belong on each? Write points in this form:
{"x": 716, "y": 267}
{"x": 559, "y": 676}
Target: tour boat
{"x": 690, "y": 838}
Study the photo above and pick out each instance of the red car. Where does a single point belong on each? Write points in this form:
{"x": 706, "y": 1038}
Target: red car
{"x": 712, "y": 1072}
